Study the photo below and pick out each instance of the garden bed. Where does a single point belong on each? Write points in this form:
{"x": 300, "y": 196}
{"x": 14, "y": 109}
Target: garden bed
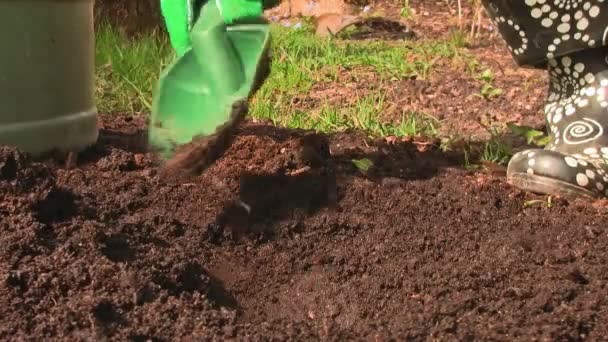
{"x": 286, "y": 237}
{"x": 301, "y": 235}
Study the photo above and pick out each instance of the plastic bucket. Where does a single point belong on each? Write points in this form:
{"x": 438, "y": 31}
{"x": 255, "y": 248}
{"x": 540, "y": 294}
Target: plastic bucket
{"x": 47, "y": 76}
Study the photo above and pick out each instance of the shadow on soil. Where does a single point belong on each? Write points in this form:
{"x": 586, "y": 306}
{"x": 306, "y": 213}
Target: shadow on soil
{"x": 323, "y": 168}
{"x": 317, "y": 170}
{"x": 135, "y": 141}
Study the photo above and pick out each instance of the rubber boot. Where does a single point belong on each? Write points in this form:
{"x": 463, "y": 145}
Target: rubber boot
{"x": 568, "y": 39}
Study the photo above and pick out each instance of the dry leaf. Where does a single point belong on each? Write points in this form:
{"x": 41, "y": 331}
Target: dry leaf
{"x": 333, "y": 23}
{"x": 312, "y": 8}
{"x": 494, "y": 168}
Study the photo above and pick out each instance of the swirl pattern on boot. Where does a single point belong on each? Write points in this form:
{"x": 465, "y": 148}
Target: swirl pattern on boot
{"x": 567, "y": 38}
{"x": 577, "y": 117}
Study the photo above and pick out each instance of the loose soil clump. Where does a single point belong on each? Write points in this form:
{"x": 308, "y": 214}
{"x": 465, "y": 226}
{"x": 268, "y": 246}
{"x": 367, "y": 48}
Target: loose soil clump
{"x": 285, "y": 238}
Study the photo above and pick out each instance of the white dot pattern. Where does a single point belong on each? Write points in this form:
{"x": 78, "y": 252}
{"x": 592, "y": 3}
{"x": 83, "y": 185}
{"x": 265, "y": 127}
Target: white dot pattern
{"x": 564, "y": 36}
{"x": 567, "y": 168}
{"x": 551, "y": 28}
{"x": 576, "y": 118}
{"x": 578, "y": 151}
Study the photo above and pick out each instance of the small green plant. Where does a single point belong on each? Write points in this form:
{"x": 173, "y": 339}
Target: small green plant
{"x": 458, "y": 39}
{"x": 493, "y": 151}
{"x": 496, "y": 151}
{"x": 487, "y": 76}
{"x": 531, "y": 135}
{"x": 406, "y": 10}
{"x": 413, "y": 124}
{"x": 488, "y": 91}
{"x": 363, "y": 165}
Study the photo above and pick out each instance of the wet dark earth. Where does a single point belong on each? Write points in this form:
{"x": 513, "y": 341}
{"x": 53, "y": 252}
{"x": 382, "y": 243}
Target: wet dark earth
{"x": 285, "y": 238}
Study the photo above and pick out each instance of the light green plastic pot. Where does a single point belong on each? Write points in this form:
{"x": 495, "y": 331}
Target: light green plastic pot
{"x": 47, "y": 75}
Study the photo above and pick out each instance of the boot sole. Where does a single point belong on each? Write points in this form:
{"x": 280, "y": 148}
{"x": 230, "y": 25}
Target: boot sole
{"x": 548, "y": 186}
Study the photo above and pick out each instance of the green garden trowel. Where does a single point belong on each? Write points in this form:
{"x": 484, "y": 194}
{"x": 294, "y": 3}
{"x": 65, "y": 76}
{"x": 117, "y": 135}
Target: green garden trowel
{"x": 203, "y": 95}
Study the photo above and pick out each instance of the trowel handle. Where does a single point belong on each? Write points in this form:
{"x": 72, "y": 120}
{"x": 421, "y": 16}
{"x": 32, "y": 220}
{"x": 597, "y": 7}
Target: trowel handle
{"x": 270, "y": 3}
{"x": 215, "y": 52}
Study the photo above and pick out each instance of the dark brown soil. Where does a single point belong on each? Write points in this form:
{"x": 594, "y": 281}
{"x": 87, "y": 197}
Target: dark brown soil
{"x": 133, "y": 16}
{"x": 284, "y": 238}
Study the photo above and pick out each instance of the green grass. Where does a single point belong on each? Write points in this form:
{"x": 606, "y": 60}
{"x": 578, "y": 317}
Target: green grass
{"x": 364, "y": 114}
{"x": 406, "y": 10}
{"x": 127, "y": 70}
{"x": 308, "y": 60}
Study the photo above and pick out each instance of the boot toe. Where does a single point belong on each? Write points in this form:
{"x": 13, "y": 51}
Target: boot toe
{"x": 554, "y": 173}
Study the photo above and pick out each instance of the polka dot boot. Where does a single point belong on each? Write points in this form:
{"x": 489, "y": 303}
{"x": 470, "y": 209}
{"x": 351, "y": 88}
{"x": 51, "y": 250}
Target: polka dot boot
{"x": 574, "y": 163}
{"x": 567, "y": 38}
